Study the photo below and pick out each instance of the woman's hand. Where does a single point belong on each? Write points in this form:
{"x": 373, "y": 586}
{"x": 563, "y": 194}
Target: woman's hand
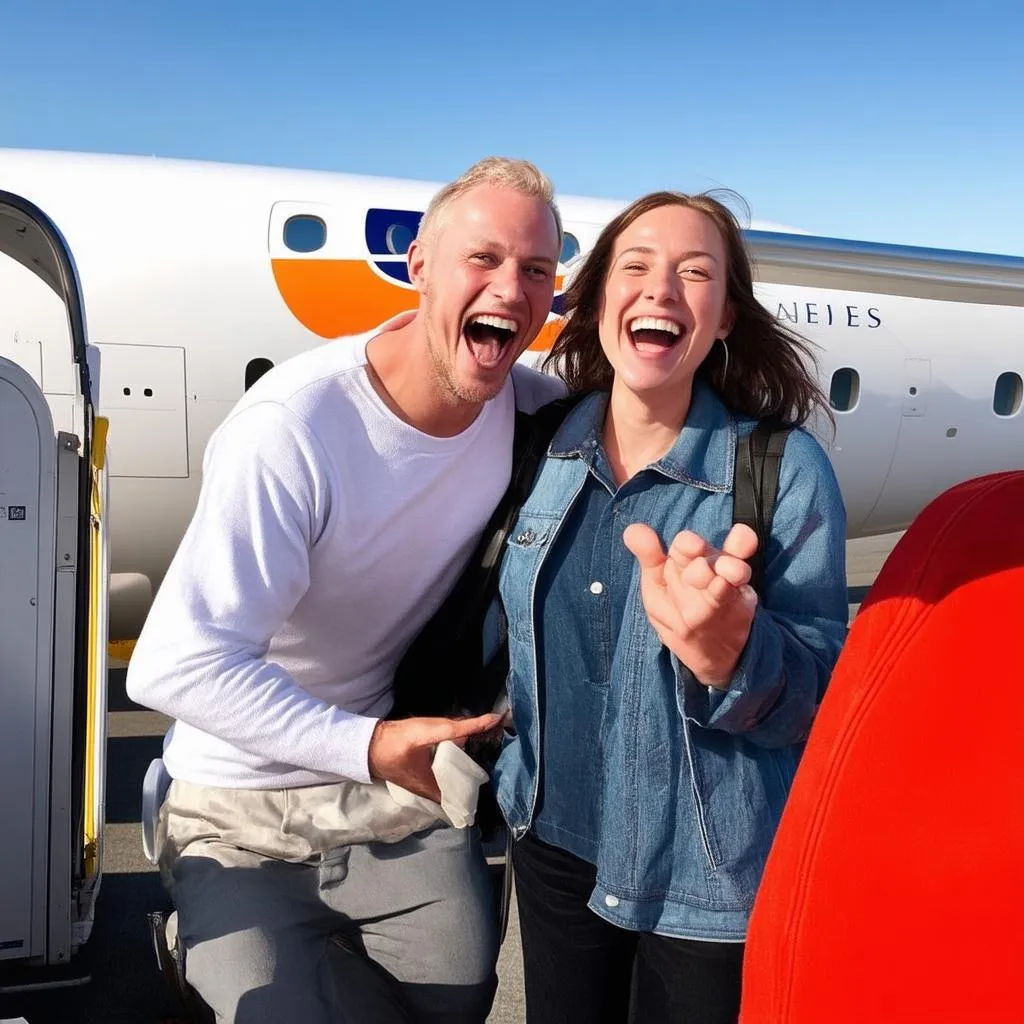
{"x": 698, "y": 599}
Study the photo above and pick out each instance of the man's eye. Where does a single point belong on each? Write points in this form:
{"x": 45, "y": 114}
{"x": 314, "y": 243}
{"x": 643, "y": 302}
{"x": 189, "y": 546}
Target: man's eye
{"x": 483, "y": 257}
{"x": 538, "y": 272}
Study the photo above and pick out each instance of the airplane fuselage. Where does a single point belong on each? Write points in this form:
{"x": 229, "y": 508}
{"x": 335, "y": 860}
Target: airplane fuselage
{"x": 196, "y": 277}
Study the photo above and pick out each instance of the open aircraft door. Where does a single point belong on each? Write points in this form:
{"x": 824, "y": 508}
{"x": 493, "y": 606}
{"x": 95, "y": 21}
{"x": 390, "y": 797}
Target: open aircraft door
{"x": 53, "y": 604}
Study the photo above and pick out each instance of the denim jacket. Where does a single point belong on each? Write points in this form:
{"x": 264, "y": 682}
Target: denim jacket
{"x": 693, "y": 779}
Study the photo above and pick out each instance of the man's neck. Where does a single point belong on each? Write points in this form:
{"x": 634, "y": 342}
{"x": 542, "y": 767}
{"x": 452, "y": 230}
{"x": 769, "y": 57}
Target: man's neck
{"x": 404, "y": 376}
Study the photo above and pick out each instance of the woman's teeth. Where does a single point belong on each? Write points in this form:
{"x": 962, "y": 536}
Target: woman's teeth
{"x": 655, "y": 323}
{"x": 653, "y": 333}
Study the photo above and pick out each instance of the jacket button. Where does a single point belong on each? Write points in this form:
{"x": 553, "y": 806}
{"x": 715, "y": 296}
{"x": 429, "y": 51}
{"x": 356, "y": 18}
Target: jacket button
{"x": 611, "y": 901}
{"x": 597, "y": 587}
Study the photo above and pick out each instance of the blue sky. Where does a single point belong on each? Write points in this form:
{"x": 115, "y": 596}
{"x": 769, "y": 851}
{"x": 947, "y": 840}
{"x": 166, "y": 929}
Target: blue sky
{"x": 900, "y": 121}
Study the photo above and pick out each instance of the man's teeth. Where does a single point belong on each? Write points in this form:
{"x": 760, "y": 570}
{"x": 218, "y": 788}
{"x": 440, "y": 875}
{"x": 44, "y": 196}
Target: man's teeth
{"x": 653, "y": 323}
{"x": 486, "y": 320}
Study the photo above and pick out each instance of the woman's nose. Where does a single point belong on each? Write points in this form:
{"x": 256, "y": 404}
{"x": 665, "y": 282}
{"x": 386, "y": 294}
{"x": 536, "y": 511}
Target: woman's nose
{"x": 662, "y": 286}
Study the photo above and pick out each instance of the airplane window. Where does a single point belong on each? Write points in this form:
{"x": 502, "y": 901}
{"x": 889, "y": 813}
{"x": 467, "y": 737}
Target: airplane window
{"x": 398, "y": 238}
{"x": 255, "y": 369}
{"x": 570, "y": 247}
{"x": 1008, "y": 394}
{"x": 389, "y": 233}
{"x": 845, "y": 389}
{"x": 304, "y": 233}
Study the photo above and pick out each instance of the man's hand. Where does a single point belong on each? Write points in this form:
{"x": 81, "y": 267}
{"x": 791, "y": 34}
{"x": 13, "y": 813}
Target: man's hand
{"x": 402, "y": 751}
{"x": 698, "y": 599}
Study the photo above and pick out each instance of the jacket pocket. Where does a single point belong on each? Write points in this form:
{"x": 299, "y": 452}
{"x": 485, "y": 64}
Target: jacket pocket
{"x": 700, "y": 813}
{"x": 738, "y": 801}
{"x": 783, "y": 762}
{"x": 525, "y": 547}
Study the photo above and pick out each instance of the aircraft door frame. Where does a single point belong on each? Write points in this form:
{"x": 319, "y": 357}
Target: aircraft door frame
{"x": 61, "y": 764}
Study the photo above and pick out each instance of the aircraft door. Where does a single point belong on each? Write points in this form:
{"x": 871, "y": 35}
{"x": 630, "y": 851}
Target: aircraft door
{"x": 954, "y": 426}
{"x": 27, "y": 473}
{"x": 53, "y": 600}
{"x": 914, "y": 424}
{"x": 142, "y": 393}
{"x": 862, "y": 450}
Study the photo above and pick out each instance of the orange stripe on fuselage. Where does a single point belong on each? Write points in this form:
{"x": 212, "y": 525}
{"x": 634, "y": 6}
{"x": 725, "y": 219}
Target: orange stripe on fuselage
{"x": 333, "y": 298}
{"x": 337, "y": 297}
{"x": 546, "y": 336}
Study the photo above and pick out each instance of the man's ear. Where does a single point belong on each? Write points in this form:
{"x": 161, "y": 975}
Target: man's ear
{"x": 417, "y": 266}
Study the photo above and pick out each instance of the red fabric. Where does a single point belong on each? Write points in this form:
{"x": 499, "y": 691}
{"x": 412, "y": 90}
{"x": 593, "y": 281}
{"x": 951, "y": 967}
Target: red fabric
{"x": 895, "y": 887}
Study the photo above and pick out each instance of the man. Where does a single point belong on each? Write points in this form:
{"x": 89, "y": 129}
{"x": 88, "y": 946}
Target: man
{"x": 341, "y": 498}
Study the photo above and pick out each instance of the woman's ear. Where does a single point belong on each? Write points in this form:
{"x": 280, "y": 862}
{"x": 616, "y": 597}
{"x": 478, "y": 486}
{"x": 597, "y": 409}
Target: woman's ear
{"x": 728, "y": 321}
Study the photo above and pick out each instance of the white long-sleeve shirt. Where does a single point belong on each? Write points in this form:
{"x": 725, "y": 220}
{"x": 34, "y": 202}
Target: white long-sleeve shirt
{"x": 327, "y": 533}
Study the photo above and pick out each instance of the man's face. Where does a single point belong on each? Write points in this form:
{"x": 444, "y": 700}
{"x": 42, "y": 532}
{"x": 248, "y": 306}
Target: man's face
{"x": 487, "y": 277}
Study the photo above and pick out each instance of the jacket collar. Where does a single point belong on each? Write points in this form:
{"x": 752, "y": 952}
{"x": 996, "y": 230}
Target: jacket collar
{"x": 704, "y": 452}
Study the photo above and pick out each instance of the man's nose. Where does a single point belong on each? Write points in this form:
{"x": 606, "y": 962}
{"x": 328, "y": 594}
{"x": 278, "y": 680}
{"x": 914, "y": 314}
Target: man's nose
{"x": 507, "y": 283}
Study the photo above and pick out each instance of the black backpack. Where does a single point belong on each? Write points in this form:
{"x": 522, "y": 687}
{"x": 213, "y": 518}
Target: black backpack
{"x": 443, "y": 671}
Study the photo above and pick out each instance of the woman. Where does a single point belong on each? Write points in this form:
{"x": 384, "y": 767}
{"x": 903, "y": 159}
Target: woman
{"x": 659, "y": 705}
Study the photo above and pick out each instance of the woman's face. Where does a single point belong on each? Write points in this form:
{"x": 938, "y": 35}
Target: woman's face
{"x": 664, "y": 301}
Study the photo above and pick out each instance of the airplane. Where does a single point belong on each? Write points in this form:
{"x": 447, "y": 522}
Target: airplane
{"x": 199, "y": 277}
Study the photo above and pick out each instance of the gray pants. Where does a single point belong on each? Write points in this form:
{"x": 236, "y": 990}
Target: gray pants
{"x": 369, "y": 932}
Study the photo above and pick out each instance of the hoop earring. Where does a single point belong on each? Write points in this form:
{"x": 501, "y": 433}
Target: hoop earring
{"x": 725, "y": 361}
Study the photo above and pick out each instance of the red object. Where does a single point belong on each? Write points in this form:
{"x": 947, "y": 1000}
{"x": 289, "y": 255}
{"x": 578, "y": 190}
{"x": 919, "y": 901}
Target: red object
{"x": 894, "y": 890}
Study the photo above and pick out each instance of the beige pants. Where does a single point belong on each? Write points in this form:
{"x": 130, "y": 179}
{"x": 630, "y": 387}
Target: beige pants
{"x": 297, "y": 825}
{"x": 343, "y": 902}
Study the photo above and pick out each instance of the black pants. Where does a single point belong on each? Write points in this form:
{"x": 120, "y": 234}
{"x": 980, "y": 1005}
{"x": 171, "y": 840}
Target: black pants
{"x": 579, "y": 969}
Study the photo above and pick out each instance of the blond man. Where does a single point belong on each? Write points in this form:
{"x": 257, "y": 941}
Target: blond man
{"x": 315, "y": 875}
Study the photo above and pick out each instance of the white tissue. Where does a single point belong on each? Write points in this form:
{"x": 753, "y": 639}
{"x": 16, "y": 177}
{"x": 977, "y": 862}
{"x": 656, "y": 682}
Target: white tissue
{"x": 458, "y": 777}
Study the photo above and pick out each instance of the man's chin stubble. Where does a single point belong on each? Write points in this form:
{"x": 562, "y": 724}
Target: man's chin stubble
{"x": 454, "y": 389}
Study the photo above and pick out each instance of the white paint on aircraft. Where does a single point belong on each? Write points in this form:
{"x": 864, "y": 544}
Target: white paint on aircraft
{"x": 188, "y": 282}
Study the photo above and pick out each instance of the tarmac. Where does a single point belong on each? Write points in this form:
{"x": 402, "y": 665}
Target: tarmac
{"x": 125, "y": 985}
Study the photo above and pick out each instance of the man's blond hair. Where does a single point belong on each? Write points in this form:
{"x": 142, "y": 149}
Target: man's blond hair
{"x": 502, "y": 171}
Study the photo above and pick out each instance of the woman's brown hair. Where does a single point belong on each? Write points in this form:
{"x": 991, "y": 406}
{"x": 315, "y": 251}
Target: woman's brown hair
{"x": 770, "y": 369}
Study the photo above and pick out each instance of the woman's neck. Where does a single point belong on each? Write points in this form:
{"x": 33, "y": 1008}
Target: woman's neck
{"x": 639, "y": 430}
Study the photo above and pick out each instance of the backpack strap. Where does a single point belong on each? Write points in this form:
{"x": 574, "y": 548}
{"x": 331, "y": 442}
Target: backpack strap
{"x": 447, "y": 651}
{"x": 756, "y": 487}
{"x": 533, "y": 434}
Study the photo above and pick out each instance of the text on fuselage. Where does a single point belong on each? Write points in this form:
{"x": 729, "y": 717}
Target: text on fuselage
{"x": 828, "y": 314}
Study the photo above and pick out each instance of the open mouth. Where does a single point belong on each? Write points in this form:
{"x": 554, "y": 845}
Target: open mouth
{"x": 654, "y": 333}
{"x": 488, "y": 338}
